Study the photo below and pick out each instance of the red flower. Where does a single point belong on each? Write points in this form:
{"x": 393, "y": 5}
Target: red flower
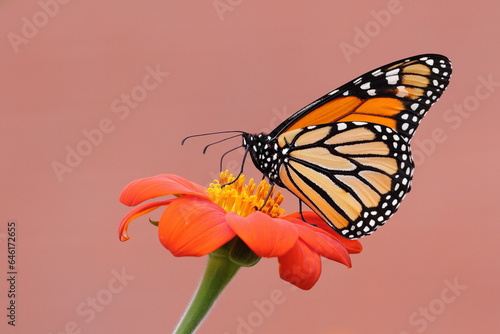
{"x": 199, "y": 221}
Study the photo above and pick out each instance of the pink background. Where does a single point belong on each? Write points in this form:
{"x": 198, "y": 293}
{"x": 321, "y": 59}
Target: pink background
{"x": 246, "y": 67}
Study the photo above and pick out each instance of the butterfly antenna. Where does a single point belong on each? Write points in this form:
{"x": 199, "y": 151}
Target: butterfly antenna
{"x": 222, "y": 157}
{"x": 220, "y": 141}
{"x": 209, "y": 134}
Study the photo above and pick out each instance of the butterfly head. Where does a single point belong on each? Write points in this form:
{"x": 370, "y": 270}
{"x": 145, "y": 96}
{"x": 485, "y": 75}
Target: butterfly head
{"x": 265, "y": 153}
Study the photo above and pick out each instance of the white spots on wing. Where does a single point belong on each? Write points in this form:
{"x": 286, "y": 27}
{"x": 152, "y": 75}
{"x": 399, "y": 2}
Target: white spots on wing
{"x": 402, "y": 92}
{"x": 392, "y": 80}
{"x": 392, "y": 72}
{"x": 392, "y": 76}
{"x": 341, "y": 126}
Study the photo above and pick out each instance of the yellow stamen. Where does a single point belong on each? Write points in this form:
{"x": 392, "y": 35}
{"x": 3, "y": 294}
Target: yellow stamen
{"x": 245, "y": 198}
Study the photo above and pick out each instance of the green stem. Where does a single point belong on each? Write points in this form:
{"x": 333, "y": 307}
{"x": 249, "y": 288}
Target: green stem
{"x": 220, "y": 270}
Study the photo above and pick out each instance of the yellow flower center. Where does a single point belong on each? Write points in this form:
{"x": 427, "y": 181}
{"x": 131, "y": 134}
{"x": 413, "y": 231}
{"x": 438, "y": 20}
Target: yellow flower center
{"x": 245, "y": 198}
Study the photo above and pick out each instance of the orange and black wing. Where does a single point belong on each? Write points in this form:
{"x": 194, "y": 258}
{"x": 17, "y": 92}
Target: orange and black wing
{"x": 352, "y": 174}
{"x": 397, "y": 95}
{"x": 347, "y": 155}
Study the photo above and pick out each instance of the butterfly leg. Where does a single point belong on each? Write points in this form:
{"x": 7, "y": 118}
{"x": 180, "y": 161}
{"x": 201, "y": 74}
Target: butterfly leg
{"x": 241, "y": 169}
{"x": 301, "y": 213}
{"x": 222, "y": 157}
{"x": 269, "y": 193}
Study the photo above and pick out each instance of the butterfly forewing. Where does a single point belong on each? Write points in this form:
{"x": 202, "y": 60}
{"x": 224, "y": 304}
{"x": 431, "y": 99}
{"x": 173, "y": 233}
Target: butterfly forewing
{"x": 396, "y": 95}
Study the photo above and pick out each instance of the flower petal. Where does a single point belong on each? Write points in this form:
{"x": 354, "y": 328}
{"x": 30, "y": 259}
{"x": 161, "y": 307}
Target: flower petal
{"x": 160, "y": 185}
{"x": 322, "y": 242}
{"x": 193, "y": 226}
{"x": 266, "y": 236}
{"x": 301, "y": 266}
{"x": 137, "y": 212}
{"x": 352, "y": 246}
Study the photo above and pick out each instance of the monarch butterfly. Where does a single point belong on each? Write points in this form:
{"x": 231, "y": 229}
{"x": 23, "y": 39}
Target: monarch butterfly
{"x": 347, "y": 155}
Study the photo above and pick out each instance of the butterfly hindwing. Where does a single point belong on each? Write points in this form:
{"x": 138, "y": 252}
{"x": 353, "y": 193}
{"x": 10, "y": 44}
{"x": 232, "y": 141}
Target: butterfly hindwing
{"x": 353, "y": 174}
